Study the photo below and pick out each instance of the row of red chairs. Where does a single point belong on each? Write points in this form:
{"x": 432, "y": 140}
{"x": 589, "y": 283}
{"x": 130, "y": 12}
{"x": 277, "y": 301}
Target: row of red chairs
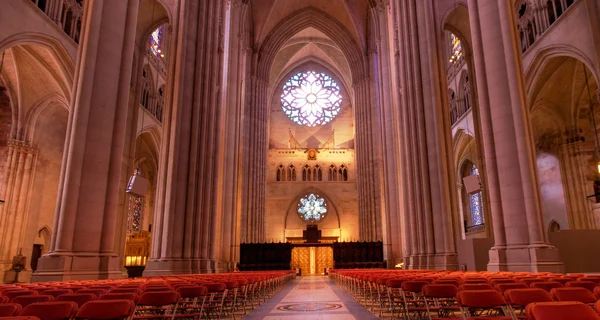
{"x": 424, "y": 294}
{"x": 188, "y": 296}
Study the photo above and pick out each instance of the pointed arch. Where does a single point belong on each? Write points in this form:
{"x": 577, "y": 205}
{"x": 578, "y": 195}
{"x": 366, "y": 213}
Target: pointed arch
{"x": 330, "y": 205}
{"x": 311, "y": 17}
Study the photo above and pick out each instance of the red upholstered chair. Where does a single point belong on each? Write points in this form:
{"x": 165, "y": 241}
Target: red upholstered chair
{"x": 191, "y": 300}
{"x": 440, "y": 299}
{"x": 106, "y": 309}
{"x": 79, "y": 298}
{"x": 214, "y": 302}
{"x": 27, "y": 300}
{"x": 582, "y": 284}
{"x": 120, "y": 296}
{"x": 20, "y": 318}
{"x": 560, "y": 311}
{"x": 518, "y": 299}
{"x": 10, "y": 309}
{"x": 51, "y": 310}
{"x": 412, "y": 293}
{"x": 3, "y": 299}
{"x": 573, "y": 294}
{"x": 155, "y": 303}
{"x": 547, "y": 285}
{"x": 484, "y": 300}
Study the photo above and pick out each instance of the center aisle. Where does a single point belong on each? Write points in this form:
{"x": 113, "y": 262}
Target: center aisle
{"x": 311, "y": 297}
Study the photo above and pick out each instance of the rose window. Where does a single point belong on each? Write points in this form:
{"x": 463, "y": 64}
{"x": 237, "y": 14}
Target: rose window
{"x": 312, "y": 208}
{"x": 311, "y": 98}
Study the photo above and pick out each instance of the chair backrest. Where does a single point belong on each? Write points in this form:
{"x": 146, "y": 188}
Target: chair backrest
{"x": 158, "y": 298}
{"x": 120, "y": 296}
{"x": 582, "y": 284}
{"x": 96, "y": 292}
{"x": 10, "y": 309}
{"x": 79, "y": 298}
{"x": 523, "y": 297}
{"x": 13, "y": 294}
{"x": 215, "y": 287}
{"x": 188, "y": 292}
{"x": 27, "y": 300}
{"x": 57, "y": 292}
{"x": 573, "y": 294}
{"x": 480, "y": 299}
{"x": 51, "y": 310}
{"x": 442, "y": 290}
{"x": 560, "y": 311}
{"x": 502, "y": 287}
{"x": 414, "y": 286}
{"x": 476, "y": 286}
{"x": 125, "y": 290}
{"x": 547, "y": 285}
{"x": 106, "y": 309}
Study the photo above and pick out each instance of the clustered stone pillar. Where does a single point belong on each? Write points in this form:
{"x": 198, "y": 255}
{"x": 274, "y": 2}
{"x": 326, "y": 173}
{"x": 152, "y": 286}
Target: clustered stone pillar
{"x": 573, "y": 164}
{"x": 520, "y": 241}
{"x": 83, "y": 240}
{"x": 428, "y": 239}
{"x": 367, "y": 163}
{"x": 255, "y": 153}
{"x": 188, "y": 225}
{"x": 13, "y": 214}
{"x": 388, "y": 131}
{"x": 232, "y": 119}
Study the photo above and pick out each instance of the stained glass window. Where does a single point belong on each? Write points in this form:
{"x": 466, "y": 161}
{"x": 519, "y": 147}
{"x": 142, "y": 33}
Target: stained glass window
{"x": 312, "y": 207}
{"x": 476, "y": 200}
{"x": 311, "y": 98}
{"x": 456, "y": 50}
{"x": 134, "y": 217}
{"x": 156, "y": 42}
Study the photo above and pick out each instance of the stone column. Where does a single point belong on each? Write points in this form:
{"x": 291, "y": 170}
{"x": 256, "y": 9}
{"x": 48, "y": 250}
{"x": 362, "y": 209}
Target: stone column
{"x": 388, "y": 117}
{"x": 573, "y": 165}
{"x": 426, "y": 188}
{"x": 187, "y": 227}
{"x": 82, "y": 245}
{"x": 231, "y": 140}
{"x": 520, "y": 241}
{"x": 16, "y": 193}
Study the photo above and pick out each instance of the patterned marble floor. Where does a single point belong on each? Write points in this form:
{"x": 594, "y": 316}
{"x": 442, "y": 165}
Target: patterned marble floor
{"x": 311, "y": 298}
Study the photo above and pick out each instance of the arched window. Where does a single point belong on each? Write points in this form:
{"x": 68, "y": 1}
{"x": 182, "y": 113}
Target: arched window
{"x": 343, "y": 173}
{"x": 476, "y": 203}
{"x": 155, "y": 42}
{"x": 332, "y": 173}
{"x": 311, "y": 98}
{"x": 456, "y": 50}
{"x": 312, "y": 208}
{"x": 160, "y": 103}
{"x": 291, "y": 173}
{"x": 145, "y": 95}
{"x": 466, "y": 93}
{"x": 306, "y": 173}
{"x": 134, "y": 216}
{"x": 317, "y": 173}
{"x": 280, "y": 173}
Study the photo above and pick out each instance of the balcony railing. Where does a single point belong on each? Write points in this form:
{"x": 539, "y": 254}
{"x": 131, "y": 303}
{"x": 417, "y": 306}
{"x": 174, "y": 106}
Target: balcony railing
{"x": 66, "y": 14}
{"x": 534, "y": 20}
{"x": 475, "y": 228}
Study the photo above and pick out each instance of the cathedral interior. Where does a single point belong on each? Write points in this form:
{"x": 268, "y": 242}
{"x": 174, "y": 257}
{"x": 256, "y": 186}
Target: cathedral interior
{"x": 210, "y": 139}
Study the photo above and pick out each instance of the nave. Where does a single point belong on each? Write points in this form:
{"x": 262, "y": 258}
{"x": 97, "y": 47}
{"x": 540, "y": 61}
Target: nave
{"x": 344, "y": 294}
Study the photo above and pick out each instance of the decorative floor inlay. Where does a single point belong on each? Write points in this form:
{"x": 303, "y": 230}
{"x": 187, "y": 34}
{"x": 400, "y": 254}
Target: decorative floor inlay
{"x": 310, "y": 306}
{"x": 310, "y": 287}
